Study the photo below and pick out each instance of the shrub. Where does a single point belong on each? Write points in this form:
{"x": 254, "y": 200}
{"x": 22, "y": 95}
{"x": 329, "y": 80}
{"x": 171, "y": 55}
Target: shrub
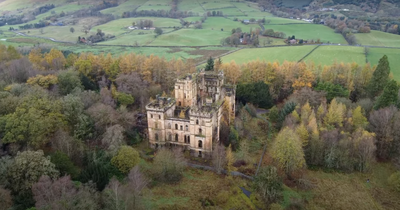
{"x": 168, "y": 165}
{"x": 394, "y": 181}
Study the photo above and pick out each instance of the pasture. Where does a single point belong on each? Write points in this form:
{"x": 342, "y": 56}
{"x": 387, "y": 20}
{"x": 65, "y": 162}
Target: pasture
{"x": 393, "y": 55}
{"x": 129, "y": 5}
{"x": 218, "y": 23}
{"x": 309, "y": 31}
{"x": 191, "y": 37}
{"x": 326, "y": 55}
{"x": 378, "y": 38}
{"x": 156, "y": 5}
{"x": 271, "y": 54}
{"x": 61, "y": 33}
{"x": 119, "y": 26}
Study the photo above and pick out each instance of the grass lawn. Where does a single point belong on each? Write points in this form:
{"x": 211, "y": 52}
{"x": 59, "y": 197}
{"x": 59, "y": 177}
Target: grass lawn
{"x": 275, "y": 41}
{"x": 66, "y": 8}
{"x": 272, "y": 54}
{"x": 326, "y": 55}
{"x": 351, "y": 191}
{"x": 61, "y": 33}
{"x": 230, "y": 11}
{"x": 129, "y": 5}
{"x": 393, "y": 54}
{"x": 211, "y": 5}
{"x": 217, "y": 23}
{"x": 13, "y": 5}
{"x": 309, "y": 31}
{"x": 379, "y": 38}
{"x": 156, "y": 5}
{"x": 191, "y": 37}
{"x": 278, "y": 20}
{"x": 132, "y": 38}
{"x": 119, "y": 26}
{"x": 191, "y": 6}
{"x": 246, "y": 6}
{"x": 217, "y": 189}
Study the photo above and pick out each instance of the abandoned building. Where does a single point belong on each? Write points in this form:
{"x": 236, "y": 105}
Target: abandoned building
{"x": 192, "y": 119}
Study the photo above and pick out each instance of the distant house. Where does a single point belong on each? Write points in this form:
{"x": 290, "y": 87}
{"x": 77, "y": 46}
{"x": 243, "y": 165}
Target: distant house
{"x": 293, "y": 41}
{"x": 246, "y": 21}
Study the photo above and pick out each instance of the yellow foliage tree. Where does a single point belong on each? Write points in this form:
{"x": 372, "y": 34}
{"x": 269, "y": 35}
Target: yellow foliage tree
{"x": 335, "y": 114}
{"x": 126, "y": 159}
{"x": 43, "y": 81}
{"x": 303, "y": 134}
{"x": 305, "y": 112}
{"x": 358, "y": 119}
{"x": 287, "y": 151}
{"x": 55, "y": 59}
{"x": 36, "y": 57}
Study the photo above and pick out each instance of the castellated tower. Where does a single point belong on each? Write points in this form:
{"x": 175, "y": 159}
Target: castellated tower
{"x": 192, "y": 119}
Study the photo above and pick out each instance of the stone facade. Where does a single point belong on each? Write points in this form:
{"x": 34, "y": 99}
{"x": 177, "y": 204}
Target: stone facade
{"x": 191, "y": 119}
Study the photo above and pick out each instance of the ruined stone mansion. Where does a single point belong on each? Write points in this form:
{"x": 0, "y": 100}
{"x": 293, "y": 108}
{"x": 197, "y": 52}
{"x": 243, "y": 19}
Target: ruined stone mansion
{"x": 191, "y": 119}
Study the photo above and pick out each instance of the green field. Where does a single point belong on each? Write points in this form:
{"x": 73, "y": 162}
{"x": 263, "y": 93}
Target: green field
{"x": 191, "y": 37}
{"x": 13, "y": 5}
{"x": 61, "y": 33}
{"x": 230, "y": 11}
{"x": 393, "y": 54}
{"x": 216, "y": 23}
{"x": 156, "y": 5}
{"x": 309, "y": 31}
{"x": 129, "y": 5}
{"x": 119, "y": 26}
{"x": 326, "y": 55}
{"x": 271, "y": 54}
{"x": 378, "y": 38}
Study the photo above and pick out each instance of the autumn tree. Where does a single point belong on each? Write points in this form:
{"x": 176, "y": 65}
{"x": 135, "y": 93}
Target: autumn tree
{"x": 379, "y": 78}
{"x": 230, "y": 160}
{"x": 27, "y": 168}
{"x": 126, "y": 159}
{"x": 43, "y": 81}
{"x": 33, "y": 122}
{"x": 287, "y": 151}
{"x": 113, "y": 138}
{"x": 363, "y": 149}
{"x": 335, "y": 114}
{"x": 63, "y": 194}
{"x": 168, "y": 165}
{"x": 69, "y": 81}
{"x": 268, "y": 184}
{"x": 358, "y": 119}
{"x": 5, "y": 199}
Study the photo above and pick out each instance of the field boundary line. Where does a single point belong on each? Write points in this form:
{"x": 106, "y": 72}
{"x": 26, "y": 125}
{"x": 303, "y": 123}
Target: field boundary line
{"x": 308, "y": 53}
{"x": 222, "y": 55}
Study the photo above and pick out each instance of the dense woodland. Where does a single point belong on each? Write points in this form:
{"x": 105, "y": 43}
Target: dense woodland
{"x": 70, "y": 128}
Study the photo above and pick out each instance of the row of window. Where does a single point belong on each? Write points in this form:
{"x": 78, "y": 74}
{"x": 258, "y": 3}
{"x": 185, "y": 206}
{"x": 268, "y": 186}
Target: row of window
{"x": 186, "y": 140}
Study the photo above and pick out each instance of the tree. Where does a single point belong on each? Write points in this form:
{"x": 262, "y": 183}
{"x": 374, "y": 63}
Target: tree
{"x": 230, "y": 160}
{"x": 27, "y": 168}
{"x": 5, "y": 199}
{"x": 113, "y": 138}
{"x": 268, "y": 184}
{"x": 394, "y": 181}
{"x": 125, "y": 99}
{"x": 168, "y": 165}
{"x": 287, "y": 151}
{"x": 363, "y": 149}
{"x": 126, "y": 159}
{"x": 335, "y": 115}
{"x": 158, "y": 31}
{"x": 389, "y": 96}
{"x": 210, "y": 64}
{"x": 63, "y": 194}
{"x": 332, "y": 90}
{"x": 46, "y": 82}
{"x": 69, "y": 81}
{"x": 358, "y": 119}
{"x": 218, "y": 158}
{"x": 33, "y": 122}
{"x": 64, "y": 165}
{"x": 72, "y": 30}
{"x": 379, "y": 78}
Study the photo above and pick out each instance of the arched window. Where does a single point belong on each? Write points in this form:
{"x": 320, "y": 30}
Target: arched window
{"x": 176, "y": 126}
{"x": 180, "y": 104}
{"x": 169, "y": 125}
{"x": 159, "y": 117}
{"x": 169, "y": 137}
{"x": 188, "y": 139}
{"x": 184, "y": 95}
{"x": 187, "y": 128}
{"x": 151, "y": 115}
{"x": 200, "y": 144}
{"x": 185, "y": 139}
{"x": 176, "y": 137}
{"x": 156, "y": 136}
{"x": 200, "y": 131}
{"x": 197, "y": 122}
